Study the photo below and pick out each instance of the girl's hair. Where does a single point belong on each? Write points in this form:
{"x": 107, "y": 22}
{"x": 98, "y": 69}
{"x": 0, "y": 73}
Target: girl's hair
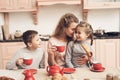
{"x": 63, "y": 23}
{"x": 28, "y": 36}
{"x": 88, "y": 29}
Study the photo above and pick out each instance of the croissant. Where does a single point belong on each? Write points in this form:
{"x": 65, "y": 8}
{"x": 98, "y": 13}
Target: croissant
{"x": 6, "y": 78}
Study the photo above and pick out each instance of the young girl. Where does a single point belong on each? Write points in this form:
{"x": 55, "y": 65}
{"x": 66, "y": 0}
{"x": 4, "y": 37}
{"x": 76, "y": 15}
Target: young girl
{"x": 79, "y": 48}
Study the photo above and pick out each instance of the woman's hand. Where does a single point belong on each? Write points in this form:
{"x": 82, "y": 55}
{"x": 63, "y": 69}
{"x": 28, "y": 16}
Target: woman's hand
{"x": 82, "y": 60}
{"x": 52, "y": 50}
{"x": 51, "y": 55}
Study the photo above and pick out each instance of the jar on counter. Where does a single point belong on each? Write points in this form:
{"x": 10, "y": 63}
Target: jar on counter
{"x": 18, "y": 34}
{"x": 109, "y": 76}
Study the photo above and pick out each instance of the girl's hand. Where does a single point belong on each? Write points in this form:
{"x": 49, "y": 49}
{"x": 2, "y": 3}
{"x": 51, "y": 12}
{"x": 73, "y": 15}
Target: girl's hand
{"x": 19, "y": 61}
{"x": 82, "y": 60}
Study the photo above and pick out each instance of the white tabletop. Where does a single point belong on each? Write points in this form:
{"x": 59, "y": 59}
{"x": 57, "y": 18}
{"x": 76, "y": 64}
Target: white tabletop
{"x": 79, "y": 74}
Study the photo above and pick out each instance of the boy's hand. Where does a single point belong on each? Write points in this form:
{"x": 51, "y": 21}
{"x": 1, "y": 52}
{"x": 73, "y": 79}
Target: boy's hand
{"x": 19, "y": 61}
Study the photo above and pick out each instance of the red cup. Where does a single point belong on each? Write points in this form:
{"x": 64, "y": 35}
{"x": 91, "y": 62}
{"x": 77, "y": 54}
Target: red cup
{"x": 60, "y": 48}
{"x": 97, "y": 66}
{"x": 27, "y": 61}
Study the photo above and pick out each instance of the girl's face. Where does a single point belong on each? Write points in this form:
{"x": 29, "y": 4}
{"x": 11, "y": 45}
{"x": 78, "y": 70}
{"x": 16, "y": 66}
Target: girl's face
{"x": 80, "y": 34}
{"x": 70, "y": 30}
{"x": 36, "y": 42}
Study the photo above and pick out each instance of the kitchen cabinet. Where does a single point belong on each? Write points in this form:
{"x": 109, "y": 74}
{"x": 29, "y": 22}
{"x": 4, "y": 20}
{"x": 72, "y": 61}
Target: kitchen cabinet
{"x": 8, "y": 49}
{"x": 17, "y": 5}
{"x": 51, "y": 2}
{"x": 108, "y": 52}
{"x": 101, "y": 4}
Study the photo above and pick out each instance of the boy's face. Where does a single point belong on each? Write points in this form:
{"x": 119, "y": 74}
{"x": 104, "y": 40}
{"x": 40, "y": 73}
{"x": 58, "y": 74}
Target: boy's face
{"x": 80, "y": 34}
{"x": 36, "y": 42}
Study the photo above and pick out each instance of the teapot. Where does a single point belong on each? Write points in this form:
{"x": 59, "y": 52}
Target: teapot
{"x": 28, "y": 75}
{"x": 54, "y": 69}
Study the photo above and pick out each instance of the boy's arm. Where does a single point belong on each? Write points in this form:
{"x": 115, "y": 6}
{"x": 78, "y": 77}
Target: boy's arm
{"x": 68, "y": 56}
{"x": 11, "y": 64}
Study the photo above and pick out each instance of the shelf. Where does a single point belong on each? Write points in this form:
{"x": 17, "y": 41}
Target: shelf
{"x": 17, "y": 10}
{"x": 52, "y": 2}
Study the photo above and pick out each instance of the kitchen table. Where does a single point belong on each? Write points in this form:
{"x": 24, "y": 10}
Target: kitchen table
{"x": 79, "y": 74}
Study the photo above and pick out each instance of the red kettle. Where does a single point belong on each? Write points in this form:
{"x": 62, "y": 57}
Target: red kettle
{"x": 54, "y": 69}
{"x": 28, "y": 75}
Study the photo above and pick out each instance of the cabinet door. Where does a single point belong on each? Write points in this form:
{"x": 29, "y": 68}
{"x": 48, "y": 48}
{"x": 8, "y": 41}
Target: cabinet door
{"x": 107, "y": 52}
{"x": 0, "y": 56}
{"x": 5, "y": 4}
{"x": 8, "y": 50}
{"x": 17, "y": 5}
{"x": 24, "y": 4}
{"x": 100, "y": 4}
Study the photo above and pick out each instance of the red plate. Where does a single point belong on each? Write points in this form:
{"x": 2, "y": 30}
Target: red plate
{"x": 101, "y": 70}
{"x": 68, "y": 70}
{"x": 31, "y": 70}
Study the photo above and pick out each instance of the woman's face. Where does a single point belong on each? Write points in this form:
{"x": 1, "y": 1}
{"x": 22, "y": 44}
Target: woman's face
{"x": 70, "y": 30}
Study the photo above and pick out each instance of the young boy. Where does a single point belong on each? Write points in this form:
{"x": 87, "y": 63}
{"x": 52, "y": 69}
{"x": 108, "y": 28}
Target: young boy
{"x": 32, "y": 41}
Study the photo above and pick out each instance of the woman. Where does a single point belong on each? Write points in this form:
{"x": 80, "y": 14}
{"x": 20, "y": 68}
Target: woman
{"x": 62, "y": 35}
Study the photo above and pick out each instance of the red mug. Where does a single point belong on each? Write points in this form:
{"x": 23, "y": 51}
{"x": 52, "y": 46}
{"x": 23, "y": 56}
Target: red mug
{"x": 27, "y": 61}
{"x": 97, "y": 66}
{"x": 60, "y": 48}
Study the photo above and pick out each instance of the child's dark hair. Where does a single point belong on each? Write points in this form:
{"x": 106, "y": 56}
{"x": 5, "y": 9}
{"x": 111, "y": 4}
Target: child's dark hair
{"x": 88, "y": 29}
{"x": 28, "y": 36}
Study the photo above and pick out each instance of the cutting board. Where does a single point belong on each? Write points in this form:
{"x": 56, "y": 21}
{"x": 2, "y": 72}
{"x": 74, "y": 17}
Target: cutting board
{"x": 6, "y": 26}
{"x": 6, "y": 34}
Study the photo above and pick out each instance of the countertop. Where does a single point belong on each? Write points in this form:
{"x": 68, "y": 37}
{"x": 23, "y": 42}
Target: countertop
{"x": 105, "y": 36}
{"x": 20, "y": 40}
{"x": 79, "y": 74}
{"x": 108, "y": 35}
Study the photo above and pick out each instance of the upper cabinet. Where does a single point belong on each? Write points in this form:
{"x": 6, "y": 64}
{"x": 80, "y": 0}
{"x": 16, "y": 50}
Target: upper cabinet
{"x": 101, "y": 4}
{"x": 52, "y": 2}
{"x": 17, "y": 5}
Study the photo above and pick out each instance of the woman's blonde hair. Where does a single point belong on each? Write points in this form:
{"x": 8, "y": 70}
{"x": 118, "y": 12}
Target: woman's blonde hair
{"x": 63, "y": 23}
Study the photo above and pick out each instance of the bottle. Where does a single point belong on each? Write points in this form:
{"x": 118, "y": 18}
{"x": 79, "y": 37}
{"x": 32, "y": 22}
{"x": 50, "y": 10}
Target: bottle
{"x": 116, "y": 77}
{"x": 18, "y": 34}
{"x": 86, "y": 79}
{"x": 109, "y": 76}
